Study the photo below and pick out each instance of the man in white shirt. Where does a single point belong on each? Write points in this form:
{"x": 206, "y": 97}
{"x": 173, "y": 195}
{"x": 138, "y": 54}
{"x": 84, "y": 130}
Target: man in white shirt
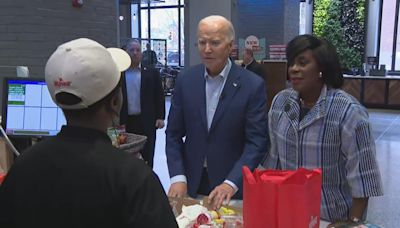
{"x": 143, "y": 110}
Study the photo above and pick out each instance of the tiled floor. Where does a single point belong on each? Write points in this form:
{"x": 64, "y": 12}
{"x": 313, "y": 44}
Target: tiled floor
{"x": 385, "y": 210}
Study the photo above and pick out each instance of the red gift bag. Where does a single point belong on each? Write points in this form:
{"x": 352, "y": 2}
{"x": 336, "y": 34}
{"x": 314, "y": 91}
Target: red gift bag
{"x": 2, "y": 176}
{"x": 281, "y": 198}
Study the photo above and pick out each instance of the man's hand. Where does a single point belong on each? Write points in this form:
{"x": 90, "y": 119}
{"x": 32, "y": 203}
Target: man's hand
{"x": 221, "y": 193}
{"x": 159, "y": 123}
{"x": 178, "y": 189}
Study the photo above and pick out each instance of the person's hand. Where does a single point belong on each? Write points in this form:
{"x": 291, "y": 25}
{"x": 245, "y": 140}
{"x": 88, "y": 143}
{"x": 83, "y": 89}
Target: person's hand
{"x": 221, "y": 193}
{"x": 178, "y": 189}
{"x": 159, "y": 123}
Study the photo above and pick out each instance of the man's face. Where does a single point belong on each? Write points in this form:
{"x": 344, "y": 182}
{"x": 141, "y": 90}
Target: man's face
{"x": 246, "y": 57}
{"x": 135, "y": 52}
{"x": 214, "y": 46}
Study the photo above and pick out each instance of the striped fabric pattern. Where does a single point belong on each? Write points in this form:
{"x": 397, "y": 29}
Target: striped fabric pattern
{"x": 334, "y": 135}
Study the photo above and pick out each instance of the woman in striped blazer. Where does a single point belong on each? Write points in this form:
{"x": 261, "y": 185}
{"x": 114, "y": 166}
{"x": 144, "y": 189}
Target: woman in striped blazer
{"x": 315, "y": 124}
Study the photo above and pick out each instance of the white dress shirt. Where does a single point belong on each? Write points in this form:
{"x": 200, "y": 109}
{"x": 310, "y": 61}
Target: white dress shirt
{"x": 133, "y": 80}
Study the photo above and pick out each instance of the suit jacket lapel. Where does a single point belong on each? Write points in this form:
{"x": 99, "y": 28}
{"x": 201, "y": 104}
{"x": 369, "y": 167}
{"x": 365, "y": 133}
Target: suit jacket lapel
{"x": 232, "y": 85}
{"x": 123, "y": 86}
{"x": 251, "y": 66}
{"x": 124, "y": 109}
{"x": 201, "y": 93}
{"x": 143, "y": 83}
{"x": 292, "y": 110}
{"x": 317, "y": 112}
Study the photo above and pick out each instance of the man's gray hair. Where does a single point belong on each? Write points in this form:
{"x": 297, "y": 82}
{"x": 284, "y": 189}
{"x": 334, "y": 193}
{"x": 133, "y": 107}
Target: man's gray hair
{"x": 218, "y": 18}
{"x": 130, "y": 42}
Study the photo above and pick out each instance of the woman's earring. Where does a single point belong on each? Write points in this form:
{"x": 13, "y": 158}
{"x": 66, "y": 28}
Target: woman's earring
{"x": 320, "y": 74}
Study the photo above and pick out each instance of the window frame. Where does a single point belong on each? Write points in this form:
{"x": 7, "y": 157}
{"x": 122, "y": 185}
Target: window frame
{"x": 178, "y": 7}
{"x": 394, "y": 40}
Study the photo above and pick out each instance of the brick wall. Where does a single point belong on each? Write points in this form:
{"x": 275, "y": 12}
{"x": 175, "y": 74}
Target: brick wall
{"x": 30, "y": 30}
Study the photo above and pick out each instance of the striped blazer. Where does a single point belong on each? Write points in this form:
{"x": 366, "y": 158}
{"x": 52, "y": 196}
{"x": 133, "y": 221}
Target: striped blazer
{"x": 334, "y": 135}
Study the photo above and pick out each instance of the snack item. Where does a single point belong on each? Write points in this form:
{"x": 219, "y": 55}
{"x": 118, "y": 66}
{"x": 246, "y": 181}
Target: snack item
{"x": 223, "y": 211}
{"x": 197, "y": 216}
{"x": 214, "y": 215}
{"x": 203, "y": 218}
{"x": 189, "y": 215}
{"x": 122, "y": 138}
{"x": 193, "y": 213}
{"x": 117, "y": 135}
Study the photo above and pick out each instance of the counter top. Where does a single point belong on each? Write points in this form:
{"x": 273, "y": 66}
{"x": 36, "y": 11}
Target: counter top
{"x": 274, "y": 61}
{"x": 387, "y": 77}
{"x": 239, "y": 203}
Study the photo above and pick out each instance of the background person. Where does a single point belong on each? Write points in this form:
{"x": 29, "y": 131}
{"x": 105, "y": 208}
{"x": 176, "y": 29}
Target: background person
{"x": 149, "y": 57}
{"x": 220, "y": 110}
{"x": 77, "y": 178}
{"x": 317, "y": 125}
{"x": 143, "y": 110}
{"x": 249, "y": 63}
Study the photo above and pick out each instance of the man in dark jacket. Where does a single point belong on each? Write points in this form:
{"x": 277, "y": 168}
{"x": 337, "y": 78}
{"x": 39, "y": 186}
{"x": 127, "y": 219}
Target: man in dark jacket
{"x": 77, "y": 178}
{"x": 149, "y": 57}
{"x": 143, "y": 110}
{"x": 251, "y": 64}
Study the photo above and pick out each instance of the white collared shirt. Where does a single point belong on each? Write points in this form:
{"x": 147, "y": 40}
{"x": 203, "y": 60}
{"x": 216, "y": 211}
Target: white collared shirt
{"x": 133, "y": 81}
{"x": 214, "y": 87}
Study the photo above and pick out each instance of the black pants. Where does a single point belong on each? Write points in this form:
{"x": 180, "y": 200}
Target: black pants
{"x": 135, "y": 125}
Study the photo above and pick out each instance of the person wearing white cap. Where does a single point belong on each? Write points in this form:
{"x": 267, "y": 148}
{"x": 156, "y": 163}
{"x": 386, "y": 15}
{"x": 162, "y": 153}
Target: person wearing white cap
{"x": 77, "y": 178}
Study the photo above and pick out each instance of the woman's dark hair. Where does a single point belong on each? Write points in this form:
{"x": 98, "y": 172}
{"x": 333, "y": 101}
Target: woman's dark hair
{"x": 324, "y": 53}
{"x": 71, "y": 99}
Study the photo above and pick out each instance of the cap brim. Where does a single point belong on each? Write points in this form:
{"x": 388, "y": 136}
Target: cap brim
{"x": 121, "y": 58}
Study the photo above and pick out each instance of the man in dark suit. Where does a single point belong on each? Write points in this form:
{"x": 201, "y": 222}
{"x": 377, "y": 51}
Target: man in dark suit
{"x": 219, "y": 108}
{"x": 251, "y": 64}
{"x": 143, "y": 110}
{"x": 149, "y": 57}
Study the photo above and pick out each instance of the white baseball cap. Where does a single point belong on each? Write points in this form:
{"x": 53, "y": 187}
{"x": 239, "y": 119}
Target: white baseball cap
{"x": 85, "y": 69}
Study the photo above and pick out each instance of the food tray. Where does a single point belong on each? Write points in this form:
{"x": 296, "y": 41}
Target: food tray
{"x": 134, "y": 145}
